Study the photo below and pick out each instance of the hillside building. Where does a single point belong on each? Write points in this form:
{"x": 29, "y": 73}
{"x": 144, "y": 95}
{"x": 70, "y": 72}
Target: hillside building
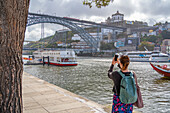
{"x": 117, "y": 19}
{"x": 100, "y": 34}
{"x": 165, "y": 47}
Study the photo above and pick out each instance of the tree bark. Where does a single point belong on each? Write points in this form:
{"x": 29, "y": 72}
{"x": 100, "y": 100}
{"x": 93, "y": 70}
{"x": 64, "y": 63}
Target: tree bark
{"x": 13, "y": 18}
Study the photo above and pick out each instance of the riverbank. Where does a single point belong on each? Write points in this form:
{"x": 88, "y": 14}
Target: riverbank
{"x": 40, "y": 96}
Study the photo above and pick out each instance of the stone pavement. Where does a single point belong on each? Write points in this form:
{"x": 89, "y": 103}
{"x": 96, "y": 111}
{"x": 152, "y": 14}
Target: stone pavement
{"x": 40, "y": 96}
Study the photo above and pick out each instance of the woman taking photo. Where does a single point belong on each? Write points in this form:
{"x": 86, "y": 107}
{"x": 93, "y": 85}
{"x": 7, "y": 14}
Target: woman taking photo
{"x": 123, "y": 63}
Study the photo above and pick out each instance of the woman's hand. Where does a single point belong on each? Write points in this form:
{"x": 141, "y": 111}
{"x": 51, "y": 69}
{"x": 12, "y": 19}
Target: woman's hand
{"x": 114, "y": 62}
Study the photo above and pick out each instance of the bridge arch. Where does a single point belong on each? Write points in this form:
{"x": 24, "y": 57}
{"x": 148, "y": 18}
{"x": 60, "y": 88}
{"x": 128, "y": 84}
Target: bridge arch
{"x": 39, "y": 18}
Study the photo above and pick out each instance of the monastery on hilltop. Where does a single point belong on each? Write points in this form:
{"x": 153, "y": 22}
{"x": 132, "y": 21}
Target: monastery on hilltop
{"x": 117, "y": 19}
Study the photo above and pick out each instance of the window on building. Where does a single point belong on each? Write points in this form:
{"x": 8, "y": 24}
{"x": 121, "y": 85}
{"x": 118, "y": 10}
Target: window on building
{"x": 51, "y": 58}
{"x": 166, "y": 42}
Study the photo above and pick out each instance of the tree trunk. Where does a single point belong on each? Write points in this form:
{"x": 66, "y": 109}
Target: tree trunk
{"x": 13, "y": 18}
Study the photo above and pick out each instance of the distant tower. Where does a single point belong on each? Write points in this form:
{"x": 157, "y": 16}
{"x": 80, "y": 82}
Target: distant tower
{"x": 117, "y": 17}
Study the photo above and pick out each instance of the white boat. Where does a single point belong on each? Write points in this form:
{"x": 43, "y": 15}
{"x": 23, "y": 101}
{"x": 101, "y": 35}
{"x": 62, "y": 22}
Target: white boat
{"x": 157, "y": 56}
{"x": 139, "y": 56}
{"x": 147, "y": 56}
{"x": 58, "y": 58}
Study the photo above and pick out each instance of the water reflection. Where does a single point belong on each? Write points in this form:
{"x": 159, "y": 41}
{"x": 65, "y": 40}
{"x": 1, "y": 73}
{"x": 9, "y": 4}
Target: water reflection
{"x": 89, "y": 79}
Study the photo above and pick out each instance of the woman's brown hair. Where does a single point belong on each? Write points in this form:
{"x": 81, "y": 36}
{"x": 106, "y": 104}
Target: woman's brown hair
{"x": 124, "y": 60}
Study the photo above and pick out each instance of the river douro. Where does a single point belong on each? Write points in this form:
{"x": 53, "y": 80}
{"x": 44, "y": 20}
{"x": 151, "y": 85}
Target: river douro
{"x": 89, "y": 79}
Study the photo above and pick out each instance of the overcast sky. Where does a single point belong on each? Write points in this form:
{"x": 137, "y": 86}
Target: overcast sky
{"x": 150, "y": 11}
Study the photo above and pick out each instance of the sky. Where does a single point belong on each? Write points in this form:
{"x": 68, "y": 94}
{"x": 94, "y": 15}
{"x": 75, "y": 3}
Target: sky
{"x": 150, "y": 11}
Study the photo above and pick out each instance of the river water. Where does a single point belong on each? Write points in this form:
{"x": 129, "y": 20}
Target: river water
{"x": 89, "y": 79}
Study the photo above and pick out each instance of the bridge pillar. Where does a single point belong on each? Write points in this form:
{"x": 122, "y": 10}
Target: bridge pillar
{"x": 98, "y": 38}
{"x": 114, "y": 33}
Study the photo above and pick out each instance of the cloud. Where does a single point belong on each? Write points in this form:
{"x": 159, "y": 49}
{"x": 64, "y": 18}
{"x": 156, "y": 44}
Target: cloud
{"x": 33, "y": 33}
{"x": 155, "y": 7}
{"x": 150, "y": 11}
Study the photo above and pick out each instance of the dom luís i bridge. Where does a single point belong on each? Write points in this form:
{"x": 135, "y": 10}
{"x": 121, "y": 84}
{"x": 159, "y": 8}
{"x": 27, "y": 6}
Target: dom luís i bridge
{"x": 77, "y": 26}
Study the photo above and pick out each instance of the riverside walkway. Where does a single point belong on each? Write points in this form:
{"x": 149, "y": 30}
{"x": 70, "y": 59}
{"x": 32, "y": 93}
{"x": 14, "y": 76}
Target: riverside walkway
{"x": 40, "y": 96}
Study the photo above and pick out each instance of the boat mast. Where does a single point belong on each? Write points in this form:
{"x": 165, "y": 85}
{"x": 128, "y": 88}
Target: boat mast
{"x": 145, "y": 48}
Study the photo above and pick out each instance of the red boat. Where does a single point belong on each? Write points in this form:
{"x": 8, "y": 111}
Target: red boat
{"x": 163, "y": 70}
{"x": 25, "y": 58}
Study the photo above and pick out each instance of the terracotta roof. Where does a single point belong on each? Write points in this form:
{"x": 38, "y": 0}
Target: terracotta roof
{"x": 117, "y": 13}
{"x": 166, "y": 40}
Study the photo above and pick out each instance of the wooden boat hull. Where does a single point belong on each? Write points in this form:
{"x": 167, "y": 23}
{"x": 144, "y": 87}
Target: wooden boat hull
{"x": 161, "y": 71}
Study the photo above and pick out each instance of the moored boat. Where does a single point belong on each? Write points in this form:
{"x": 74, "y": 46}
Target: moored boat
{"x": 58, "y": 58}
{"x": 147, "y": 56}
{"x": 157, "y": 56}
{"x": 25, "y": 58}
{"x": 139, "y": 56}
{"x": 163, "y": 70}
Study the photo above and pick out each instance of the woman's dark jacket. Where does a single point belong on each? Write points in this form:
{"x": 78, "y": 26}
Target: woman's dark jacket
{"x": 116, "y": 77}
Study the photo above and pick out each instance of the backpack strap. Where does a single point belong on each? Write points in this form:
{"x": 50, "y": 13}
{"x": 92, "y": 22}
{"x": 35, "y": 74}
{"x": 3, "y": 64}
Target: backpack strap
{"x": 135, "y": 78}
{"x": 123, "y": 76}
{"x": 131, "y": 74}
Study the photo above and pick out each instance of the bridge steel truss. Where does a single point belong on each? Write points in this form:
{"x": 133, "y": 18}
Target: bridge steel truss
{"x": 73, "y": 24}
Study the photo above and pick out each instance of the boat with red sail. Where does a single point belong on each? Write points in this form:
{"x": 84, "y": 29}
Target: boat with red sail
{"x": 163, "y": 70}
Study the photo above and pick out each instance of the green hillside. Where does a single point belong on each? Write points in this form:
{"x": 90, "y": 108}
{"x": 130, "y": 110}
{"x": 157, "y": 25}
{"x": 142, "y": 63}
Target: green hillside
{"x": 52, "y": 41}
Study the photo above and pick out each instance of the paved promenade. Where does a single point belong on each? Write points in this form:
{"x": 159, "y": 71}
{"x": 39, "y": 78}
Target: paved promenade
{"x": 40, "y": 96}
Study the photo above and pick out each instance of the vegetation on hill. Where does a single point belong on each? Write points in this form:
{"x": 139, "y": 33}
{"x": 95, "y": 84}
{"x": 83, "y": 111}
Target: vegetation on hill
{"x": 157, "y": 39}
{"x": 53, "y": 41}
{"x": 165, "y": 34}
{"x": 147, "y": 45}
{"x": 107, "y": 46}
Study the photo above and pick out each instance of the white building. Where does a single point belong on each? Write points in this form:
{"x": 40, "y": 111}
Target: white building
{"x": 117, "y": 17}
{"x": 82, "y": 44}
{"x": 165, "y": 47}
{"x": 76, "y": 37}
{"x": 167, "y": 26}
{"x": 95, "y": 35}
{"x": 151, "y": 32}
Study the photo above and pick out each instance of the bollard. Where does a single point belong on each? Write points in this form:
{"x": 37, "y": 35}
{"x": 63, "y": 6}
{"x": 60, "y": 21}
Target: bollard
{"x": 48, "y": 60}
{"x": 43, "y": 61}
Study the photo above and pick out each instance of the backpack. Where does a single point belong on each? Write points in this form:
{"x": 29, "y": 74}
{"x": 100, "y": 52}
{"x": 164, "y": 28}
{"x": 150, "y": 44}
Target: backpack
{"x": 128, "y": 90}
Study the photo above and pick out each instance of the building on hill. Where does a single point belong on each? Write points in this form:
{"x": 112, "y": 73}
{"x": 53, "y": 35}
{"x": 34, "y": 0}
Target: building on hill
{"x": 146, "y": 31}
{"x": 167, "y": 26}
{"x": 165, "y": 47}
{"x": 100, "y": 34}
{"x": 82, "y": 44}
{"x": 117, "y": 19}
{"x": 163, "y": 26}
{"x": 120, "y": 42}
{"x": 130, "y": 43}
